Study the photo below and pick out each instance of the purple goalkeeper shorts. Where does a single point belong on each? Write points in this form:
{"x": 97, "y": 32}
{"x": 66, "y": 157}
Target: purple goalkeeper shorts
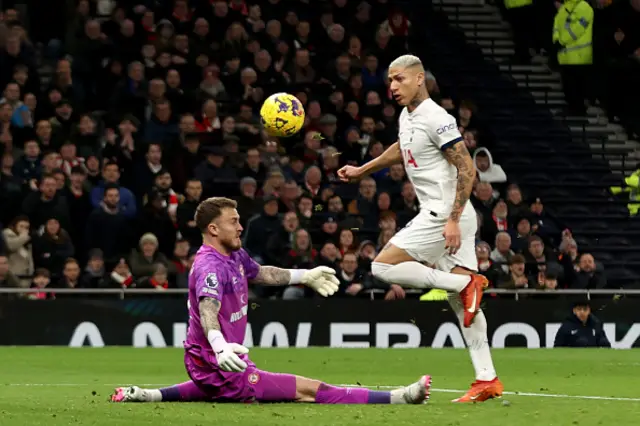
{"x": 249, "y": 386}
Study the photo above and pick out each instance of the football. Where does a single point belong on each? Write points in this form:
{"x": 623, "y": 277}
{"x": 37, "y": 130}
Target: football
{"x": 282, "y": 115}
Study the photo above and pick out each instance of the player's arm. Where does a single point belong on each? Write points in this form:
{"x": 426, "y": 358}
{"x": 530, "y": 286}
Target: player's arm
{"x": 388, "y": 158}
{"x": 209, "y": 309}
{"x": 321, "y": 279}
{"x": 458, "y": 155}
{"x": 226, "y": 353}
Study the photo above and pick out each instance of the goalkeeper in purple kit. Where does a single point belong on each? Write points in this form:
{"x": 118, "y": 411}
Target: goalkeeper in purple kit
{"x": 217, "y": 363}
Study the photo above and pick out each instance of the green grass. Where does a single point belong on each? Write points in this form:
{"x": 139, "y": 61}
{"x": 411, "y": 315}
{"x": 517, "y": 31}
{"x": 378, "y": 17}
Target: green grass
{"x": 72, "y": 386}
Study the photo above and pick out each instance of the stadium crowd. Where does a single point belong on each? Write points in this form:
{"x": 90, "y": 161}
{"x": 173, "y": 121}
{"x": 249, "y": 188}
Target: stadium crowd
{"x": 150, "y": 110}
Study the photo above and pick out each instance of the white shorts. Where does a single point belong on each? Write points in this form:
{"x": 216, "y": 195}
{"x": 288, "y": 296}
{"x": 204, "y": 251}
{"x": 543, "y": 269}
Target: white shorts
{"x": 423, "y": 240}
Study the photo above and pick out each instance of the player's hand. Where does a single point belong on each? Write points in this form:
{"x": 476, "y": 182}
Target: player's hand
{"x": 228, "y": 360}
{"x": 451, "y": 234}
{"x": 349, "y": 174}
{"x": 322, "y": 280}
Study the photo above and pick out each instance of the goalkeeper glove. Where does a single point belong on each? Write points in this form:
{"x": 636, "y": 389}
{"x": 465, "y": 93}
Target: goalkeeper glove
{"x": 226, "y": 353}
{"x": 321, "y": 279}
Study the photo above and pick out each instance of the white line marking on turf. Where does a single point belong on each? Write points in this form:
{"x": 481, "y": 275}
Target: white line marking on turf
{"x": 539, "y": 395}
{"x": 460, "y": 391}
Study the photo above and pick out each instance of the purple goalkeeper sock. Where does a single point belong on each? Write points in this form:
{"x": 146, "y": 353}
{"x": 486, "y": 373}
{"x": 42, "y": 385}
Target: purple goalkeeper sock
{"x": 328, "y": 394}
{"x": 187, "y": 391}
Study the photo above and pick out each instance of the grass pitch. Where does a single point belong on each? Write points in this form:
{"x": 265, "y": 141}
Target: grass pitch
{"x": 62, "y": 386}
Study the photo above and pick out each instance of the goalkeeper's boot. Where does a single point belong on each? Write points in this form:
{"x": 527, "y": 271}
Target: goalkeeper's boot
{"x": 481, "y": 390}
{"x": 130, "y": 394}
{"x": 471, "y": 297}
{"x": 418, "y": 392}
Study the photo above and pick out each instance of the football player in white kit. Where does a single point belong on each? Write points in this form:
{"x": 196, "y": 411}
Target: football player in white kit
{"x": 437, "y": 248}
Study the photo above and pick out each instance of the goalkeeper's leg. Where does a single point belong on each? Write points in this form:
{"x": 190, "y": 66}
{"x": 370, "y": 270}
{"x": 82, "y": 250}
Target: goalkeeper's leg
{"x": 182, "y": 392}
{"x": 266, "y": 386}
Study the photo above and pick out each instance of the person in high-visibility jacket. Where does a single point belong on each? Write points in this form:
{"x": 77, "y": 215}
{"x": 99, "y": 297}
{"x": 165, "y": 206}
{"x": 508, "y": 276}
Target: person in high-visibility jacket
{"x": 572, "y": 36}
{"x": 519, "y": 13}
{"x": 632, "y": 187}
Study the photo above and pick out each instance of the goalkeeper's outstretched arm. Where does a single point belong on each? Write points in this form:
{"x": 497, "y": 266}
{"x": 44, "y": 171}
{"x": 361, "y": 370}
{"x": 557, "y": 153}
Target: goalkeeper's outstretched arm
{"x": 270, "y": 275}
{"x": 389, "y": 157}
{"x": 321, "y": 279}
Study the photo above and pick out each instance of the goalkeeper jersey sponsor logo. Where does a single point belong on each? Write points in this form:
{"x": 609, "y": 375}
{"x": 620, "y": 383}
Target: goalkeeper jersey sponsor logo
{"x": 237, "y": 316}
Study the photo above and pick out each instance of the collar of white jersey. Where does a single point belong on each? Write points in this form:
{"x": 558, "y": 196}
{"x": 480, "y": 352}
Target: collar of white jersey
{"x": 425, "y": 105}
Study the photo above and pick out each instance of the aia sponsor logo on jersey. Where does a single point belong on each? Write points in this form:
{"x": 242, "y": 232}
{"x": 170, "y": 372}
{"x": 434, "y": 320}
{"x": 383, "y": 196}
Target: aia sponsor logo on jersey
{"x": 446, "y": 128}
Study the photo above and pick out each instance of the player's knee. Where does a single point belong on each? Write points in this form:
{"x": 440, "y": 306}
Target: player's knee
{"x": 378, "y": 269}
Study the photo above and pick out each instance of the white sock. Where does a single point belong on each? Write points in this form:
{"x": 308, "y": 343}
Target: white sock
{"x": 416, "y": 275}
{"x": 476, "y": 339}
{"x": 152, "y": 395}
{"x": 397, "y": 396}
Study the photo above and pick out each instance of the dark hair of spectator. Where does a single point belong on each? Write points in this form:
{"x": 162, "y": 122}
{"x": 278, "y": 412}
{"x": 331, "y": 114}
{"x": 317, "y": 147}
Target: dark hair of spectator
{"x": 70, "y": 260}
{"x": 517, "y": 259}
{"x": 111, "y": 186}
{"x": 41, "y": 272}
{"x": 47, "y": 176}
{"x": 468, "y": 105}
{"x": 533, "y": 239}
{"x": 210, "y": 209}
{"x": 78, "y": 170}
{"x": 57, "y": 172}
{"x": 16, "y": 220}
{"x": 482, "y": 154}
{"x": 108, "y": 163}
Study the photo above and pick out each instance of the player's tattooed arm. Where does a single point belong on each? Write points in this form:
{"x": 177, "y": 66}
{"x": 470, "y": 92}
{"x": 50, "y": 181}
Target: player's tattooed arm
{"x": 459, "y": 156}
{"x": 209, "y": 309}
{"x": 270, "y": 275}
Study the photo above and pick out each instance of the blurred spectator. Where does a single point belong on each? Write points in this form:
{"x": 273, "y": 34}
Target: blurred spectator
{"x": 70, "y": 276}
{"x": 7, "y": 278}
{"x": 120, "y": 276}
{"x": 19, "y": 249}
{"x": 126, "y": 201}
{"x": 45, "y": 203}
{"x": 516, "y": 278}
{"x": 260, "y": 228}
{"x": 52, "y": 247}
{"x": 41, "y": 280}
{"x": 94, "y": 272}
{"x": 502, "y": 254}
{"x": 587, "y": 275}
{"x": 159, "y": 279}
{"x": 488, "y": 171}
{"x": 107, "y": 227}
{"x": 581, "y": 329}
{"x": 144, "y": 260}
{"x": 539, "y": 259}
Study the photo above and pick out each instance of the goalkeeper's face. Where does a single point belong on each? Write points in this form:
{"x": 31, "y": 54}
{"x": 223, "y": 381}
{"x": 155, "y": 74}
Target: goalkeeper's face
{"x": 227, "y": 229}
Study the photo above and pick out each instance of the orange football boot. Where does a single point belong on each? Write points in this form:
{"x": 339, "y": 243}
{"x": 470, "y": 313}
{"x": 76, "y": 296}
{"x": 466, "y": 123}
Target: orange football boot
{"x": 471, "y": 297}
{"x": 482, "y": 390}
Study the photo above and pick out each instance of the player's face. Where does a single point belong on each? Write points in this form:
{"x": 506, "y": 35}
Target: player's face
{"x": 227, "y": 229}
{"x": 405, "y": 83}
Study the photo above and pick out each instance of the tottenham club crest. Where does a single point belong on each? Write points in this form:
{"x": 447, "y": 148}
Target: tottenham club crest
{"x": 212, "y": 280}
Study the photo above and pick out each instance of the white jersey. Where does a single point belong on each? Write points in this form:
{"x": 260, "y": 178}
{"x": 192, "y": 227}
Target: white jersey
{"x": 424, "y": 134}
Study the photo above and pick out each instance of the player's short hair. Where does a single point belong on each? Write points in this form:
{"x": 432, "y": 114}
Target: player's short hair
{"x": 406, "y": 61}
{"x": 211, "y": 209}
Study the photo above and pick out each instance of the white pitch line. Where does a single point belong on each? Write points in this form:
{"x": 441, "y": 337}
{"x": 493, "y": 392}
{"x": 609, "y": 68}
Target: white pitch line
{"x": 460, "y": 391}
{"x": 539, "y": 395}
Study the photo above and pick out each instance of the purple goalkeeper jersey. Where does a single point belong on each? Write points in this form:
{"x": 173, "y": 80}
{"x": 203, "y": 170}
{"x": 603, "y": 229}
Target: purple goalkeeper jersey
{"x": 223, "y": 278}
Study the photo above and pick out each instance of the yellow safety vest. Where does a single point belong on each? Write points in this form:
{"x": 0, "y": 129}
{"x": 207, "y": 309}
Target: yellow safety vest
{"x": 633, "y": 188}
{"x": 512, "y": 4}
{"x": 573, "y": 30}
